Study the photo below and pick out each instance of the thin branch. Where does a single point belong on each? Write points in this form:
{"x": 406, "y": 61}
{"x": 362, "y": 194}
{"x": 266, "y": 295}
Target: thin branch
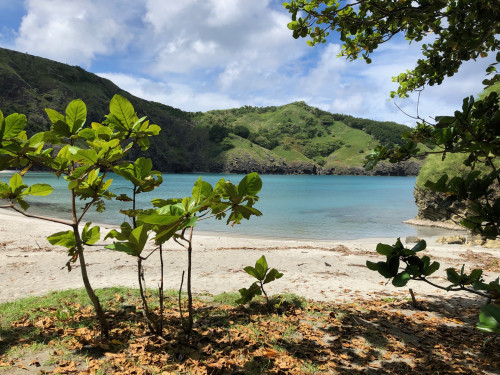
{"x": 151, "y": 253}
{"x": 37, "y": 216}
{"x": 454, "y": 289}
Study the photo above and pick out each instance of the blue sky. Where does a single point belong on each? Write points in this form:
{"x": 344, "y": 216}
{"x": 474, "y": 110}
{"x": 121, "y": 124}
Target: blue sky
{"x": 199, "y": 55}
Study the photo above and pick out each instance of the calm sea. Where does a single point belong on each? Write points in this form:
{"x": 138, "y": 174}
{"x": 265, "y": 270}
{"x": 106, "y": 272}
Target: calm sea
{"x": 307, "y": 207}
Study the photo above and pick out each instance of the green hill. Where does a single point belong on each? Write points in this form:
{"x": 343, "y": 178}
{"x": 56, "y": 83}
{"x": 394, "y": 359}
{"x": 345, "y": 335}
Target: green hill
{"x": 294, "y": 138}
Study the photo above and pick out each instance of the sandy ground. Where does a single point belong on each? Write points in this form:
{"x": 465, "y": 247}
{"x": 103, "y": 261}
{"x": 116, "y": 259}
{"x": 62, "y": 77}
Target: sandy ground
{"x": 320, "y": 270}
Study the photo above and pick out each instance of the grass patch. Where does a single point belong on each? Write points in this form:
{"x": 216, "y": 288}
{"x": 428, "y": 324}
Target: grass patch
{"x": 453, "y": 165}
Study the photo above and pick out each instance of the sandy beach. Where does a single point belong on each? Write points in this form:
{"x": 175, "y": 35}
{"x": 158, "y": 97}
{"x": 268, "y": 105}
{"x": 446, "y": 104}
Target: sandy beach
{"x": 319, "y": 270}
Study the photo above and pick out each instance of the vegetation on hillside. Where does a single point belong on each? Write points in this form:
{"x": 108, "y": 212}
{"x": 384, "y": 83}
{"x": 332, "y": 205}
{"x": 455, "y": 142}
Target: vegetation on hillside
{"x": 293, "y": 138}
{"x": 298, "y": 132}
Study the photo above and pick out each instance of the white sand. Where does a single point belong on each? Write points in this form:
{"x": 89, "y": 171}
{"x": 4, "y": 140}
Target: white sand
{"x": 320, "y": 270}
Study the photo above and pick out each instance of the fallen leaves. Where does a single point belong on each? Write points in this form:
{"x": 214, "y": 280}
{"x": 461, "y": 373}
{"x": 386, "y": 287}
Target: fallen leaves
{"x": 303, "y": 337}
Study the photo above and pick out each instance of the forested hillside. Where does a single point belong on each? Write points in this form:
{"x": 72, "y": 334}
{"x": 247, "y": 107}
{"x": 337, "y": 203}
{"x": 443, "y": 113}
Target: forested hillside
{"x": 293, "y": 138}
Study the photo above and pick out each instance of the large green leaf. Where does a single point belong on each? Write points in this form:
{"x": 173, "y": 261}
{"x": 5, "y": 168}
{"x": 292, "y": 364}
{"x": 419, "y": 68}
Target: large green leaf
{"x": 92, "y": 235}
{"x": 86, "y": 156}
{"x": 272, "y": 275}
{"x": 123, "y": 247}
{"x": 121, "y": 108}
{"x": 433, "y": 267}
{"x": 125, "y": 230}
{"x": 196, "y": 193}
{"x": 253, "y": 272}
{"x": 4, "y": 190}
{"x": 142, "y": 167}
{"x": 489, "y": 319}
{"x": 15, "y": 181}
{"x": 76, "y": 114}
{"x": 39, "y": 190}
{"x": 66, "y": 239}
{"x": 401, "y": 279}
{"x": 384, "y": 249}
{"x": 54, "y": 116}
{"x": 12, "y": 125}
{"x": 452, "y": 276}
{"x": 139, "y": 237}
{"x": 421, "y": 245}
{"x": 166, "y": 218}
{"x": 250, "y": 185}
{"x": 383, "y": 269}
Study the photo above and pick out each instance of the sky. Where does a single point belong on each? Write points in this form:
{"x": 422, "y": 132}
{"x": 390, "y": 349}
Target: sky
{"x": 200, "y": 55}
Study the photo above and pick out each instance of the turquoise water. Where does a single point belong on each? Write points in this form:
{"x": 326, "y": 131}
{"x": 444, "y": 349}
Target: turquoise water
{"x": 315, "y": 207}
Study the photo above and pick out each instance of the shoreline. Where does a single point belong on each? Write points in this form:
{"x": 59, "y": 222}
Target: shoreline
{"x": 328, "y": 270}
{"x": 435, "y": 224}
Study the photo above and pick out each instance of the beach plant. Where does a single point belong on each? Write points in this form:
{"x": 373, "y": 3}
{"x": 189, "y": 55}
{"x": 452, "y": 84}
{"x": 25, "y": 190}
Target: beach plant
{"x": 134, "y": 237}
{"x": 84, "y": 156}
{"x": 264, "y": 275}
{"x": 176, "y": 219}
{"x": 403, "y": 264}
{"x": 462, "y": 31}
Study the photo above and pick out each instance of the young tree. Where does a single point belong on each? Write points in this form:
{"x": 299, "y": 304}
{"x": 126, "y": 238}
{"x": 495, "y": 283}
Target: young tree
{"x": 84, "y": 156}
{"x": 176, "y": 219}
{"x": 462, "y": 30}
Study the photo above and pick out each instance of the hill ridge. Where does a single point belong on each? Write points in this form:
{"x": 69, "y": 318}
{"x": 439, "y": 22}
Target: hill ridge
{"x": 294, "y": 138}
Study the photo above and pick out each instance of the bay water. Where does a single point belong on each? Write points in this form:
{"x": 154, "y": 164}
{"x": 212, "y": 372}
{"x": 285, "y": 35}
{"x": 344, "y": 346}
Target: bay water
{"x": 293, "y": 206}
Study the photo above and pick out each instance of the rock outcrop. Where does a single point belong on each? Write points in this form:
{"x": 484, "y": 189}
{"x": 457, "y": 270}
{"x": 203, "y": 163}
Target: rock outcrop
{"x": 430, "y": 207}
{"x": 406, "y": 168}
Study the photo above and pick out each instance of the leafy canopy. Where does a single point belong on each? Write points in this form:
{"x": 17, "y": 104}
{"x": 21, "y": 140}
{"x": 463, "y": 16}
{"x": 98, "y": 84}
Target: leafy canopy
{"x": 460, "y": 31}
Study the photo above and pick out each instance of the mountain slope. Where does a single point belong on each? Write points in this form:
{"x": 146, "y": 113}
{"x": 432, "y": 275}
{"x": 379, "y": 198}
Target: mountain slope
{"x": 293, "y": 138}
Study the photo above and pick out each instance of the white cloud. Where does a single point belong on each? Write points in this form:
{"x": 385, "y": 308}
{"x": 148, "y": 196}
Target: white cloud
{"x": 74, "y": 31}
{"x": 215, "y": 35}
{"x": 214, "y": 54}
{"x": 177, "y": 95}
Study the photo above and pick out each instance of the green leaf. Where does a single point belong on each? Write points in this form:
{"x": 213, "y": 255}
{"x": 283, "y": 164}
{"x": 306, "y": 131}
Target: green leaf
{"x": 76, "y": 114}
{"x": 452, "y": 276}
{"x": 401, "y": 279}
{"x": 196, "y": 192}
{"x": 248, "y": 294}
{"x": 384, "y": 249}
{"x": 421, "y": 245}
{"x": 39, "y": 190}
{"x": 272, "y": 275}
{"x": 24, "y": 205}
{"x": 252, "y": 272}
{"x": 139, "y": 237}
{"x": 123, "y": 247}
{"x": 261, "y": 267}
{"x": 125, "y": 228}
{"x": 13, "y": 125}
{"x": 54, "y": 116}
{"x": 91, "y": 236}
{"x": 62, "y": 129}
{"x": 121, "y": 108}
{"x": 383, "y": 269}
{"x": 167, "y": 215}
{"x": 86, "y": 156}
{"x": 489, "y": 319}
{"x": 433, "y": 267}
{"x": 15, "y": 181}
{"x": 250, "y": 185}
{"x": 371, "y": 265}
{"x": 66, "y": 239}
